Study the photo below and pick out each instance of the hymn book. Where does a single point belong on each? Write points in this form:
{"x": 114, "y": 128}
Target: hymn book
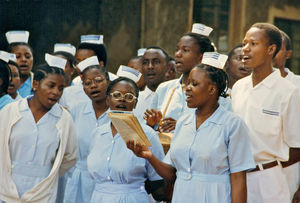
{"x": 128, "y": 127}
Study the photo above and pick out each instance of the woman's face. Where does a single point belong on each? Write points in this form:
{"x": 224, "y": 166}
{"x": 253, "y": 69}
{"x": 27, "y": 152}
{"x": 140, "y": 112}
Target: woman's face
{"x": 15, "y": 83}
{"x": 95, "y": 85}
{"x": 200, "y": 88}
{"x": 49, "y": 90}
{"x": 187, "y": 54}
{"x": 24, "y": 59}
{"x": 122, "y": 104}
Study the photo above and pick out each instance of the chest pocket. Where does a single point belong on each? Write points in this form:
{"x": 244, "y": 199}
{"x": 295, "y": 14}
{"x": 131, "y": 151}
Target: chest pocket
{"x": 266, "y": 121}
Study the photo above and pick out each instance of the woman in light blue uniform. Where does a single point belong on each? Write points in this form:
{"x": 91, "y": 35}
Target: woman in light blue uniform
{"x": 5, "y": 74}
{"x": 189, "y": 52}
{"x": 87, "y": 117}
{"x": 210, "y": 152}
{"x": 120, "y": 175}
{"x": 38, "y": 141}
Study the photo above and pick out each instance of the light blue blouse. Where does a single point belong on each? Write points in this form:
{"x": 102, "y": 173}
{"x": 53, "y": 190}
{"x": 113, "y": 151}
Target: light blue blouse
{"x": 178, "y": 105}
{"x": 118, "y": 173}
{"x": 33, "y": 146}
{"x": 4, "y": 100}
{"x": 72, "y": 96}
{"x": 25, "y": 89}
{"x": 205, "y": 157}
{"x": 79, "y": 186}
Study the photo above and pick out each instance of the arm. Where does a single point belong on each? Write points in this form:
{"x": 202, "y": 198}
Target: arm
{"x": 293, "y": 158}
{"x": 238, "y": 187}
{"x": 296, "y": 198}
{"x": 166, "y": 171}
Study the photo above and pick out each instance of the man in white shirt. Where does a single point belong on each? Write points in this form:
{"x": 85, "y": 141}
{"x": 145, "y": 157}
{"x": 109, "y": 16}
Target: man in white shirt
{"x": 269, "y": 104}
{"x": 155, "y": 64}
{"x": 285, "y": 53}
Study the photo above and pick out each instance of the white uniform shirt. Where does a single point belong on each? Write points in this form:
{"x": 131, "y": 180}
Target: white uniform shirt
{"x": 295, "y": 79}
{"x": 271, "y": 110}
{"x": 144, "y": 102}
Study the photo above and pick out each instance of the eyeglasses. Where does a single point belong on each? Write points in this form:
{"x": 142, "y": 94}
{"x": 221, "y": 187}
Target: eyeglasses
{"x": 129, "y": 97}
{"x": 96, "y": 80}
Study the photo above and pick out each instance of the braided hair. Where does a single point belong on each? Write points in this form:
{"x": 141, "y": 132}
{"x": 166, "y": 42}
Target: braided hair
{"x": 5, "y": 76}
{"x": 43, "y": 70}
{"x": 218, "y": 76}
{"x": 203, "y": 42}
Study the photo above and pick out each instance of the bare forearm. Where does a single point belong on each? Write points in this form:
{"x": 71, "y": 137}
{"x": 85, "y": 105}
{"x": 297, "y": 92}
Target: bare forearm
{"x": 293, "y": 158}
{"x": 238, "y": 187}
{"x": 166, "y": 171}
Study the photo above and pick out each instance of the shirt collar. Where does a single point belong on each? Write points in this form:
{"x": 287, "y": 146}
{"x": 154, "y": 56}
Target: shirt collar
{"x": 269, "y": 81}
{"x": 56, "y": 110}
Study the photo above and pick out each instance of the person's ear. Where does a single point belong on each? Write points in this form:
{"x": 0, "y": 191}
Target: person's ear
{"x": 35, "y": 85}
{"x": 199, "y": 59}
{"x": 101, "y": 63}
{"x": 288, "y": 54}
{"x": 271, "y": 49}
{"x": 212, "y": 89}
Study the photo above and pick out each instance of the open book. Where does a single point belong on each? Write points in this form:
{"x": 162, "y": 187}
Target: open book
{"x": 128, "y": 127}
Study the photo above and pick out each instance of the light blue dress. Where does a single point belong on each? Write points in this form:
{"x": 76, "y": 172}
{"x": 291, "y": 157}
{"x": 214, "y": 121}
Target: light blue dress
{"x": 79, "y": 185}
{"x": 118, "y": 173}
{"x": 72, "y": 96}
{"x": 25, "y": 89}
{"x": 205, "y": 157}
{"x": 4, "y": 100}
{"x": 33, "y": 146}
{"x": 178, "y": 105}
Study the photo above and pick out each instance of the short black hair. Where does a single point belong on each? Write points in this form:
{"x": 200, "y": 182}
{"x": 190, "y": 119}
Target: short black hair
{"x": 230, "y": 54}
{"x": 287, "y": 40}
{"x": 99, "y": 50}
{"x": 273, "y": 33}
{"x": 98, "y": 67}
{"x": 218, "y": 76}
{"x": 163, "y": 51}
{"x": 43, "y": 70}
{"x": 203, "y": 42}
{"x": 14, "y": 44}
{"x": 68, "y": 56}
{"x": 119, "y": 79}
{"x": 5, "y": 75}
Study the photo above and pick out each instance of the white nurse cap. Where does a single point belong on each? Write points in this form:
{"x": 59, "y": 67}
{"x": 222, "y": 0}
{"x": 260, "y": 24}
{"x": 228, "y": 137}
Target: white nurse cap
{"x": 141, "y": 51}
{"x": 91, "y": 61}
{"x": 201, "y": 29}
{"x": 12, "y": 57}
{"x": 17, "y": 36}
{"x": 55, "y": 61}
{"x": 69, "y": 48}
{"x": 4, "y": 56}
{"x": 91, "y": 39}
{"x": 127, "y": 72}
{"x": 214, "y": 59}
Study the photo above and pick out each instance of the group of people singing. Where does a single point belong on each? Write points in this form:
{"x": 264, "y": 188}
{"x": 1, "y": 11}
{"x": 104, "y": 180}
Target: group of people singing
{"x": 234, "y": 122}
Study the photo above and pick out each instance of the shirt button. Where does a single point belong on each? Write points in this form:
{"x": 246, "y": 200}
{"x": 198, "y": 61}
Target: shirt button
{"x": 189, "y": 176}
{"x": 189, "y": 169}
{"x": 108, "y": 158}
{"x": 108, "y": 177}
{"x": 113, "y": 141}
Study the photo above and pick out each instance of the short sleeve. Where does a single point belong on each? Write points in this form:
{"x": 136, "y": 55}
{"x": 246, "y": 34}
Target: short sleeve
{"x": 239, "y": 151}
{"x": 291, "y": 120}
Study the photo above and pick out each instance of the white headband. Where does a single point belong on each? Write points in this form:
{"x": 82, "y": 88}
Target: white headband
{"x": 214, "y": 59}
{"x": 17, "y": 36}
{"x": 69, "y": 48}
{"x": 201, "y": 29}
{"x": 55, "y": 61}
{"x": 127, "y": 72}
{"x": 91, "y": 39}
{"x": 91, "y": 61}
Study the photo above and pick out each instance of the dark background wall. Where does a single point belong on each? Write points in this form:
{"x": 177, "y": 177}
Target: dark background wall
{"x": 126, "y": 25}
